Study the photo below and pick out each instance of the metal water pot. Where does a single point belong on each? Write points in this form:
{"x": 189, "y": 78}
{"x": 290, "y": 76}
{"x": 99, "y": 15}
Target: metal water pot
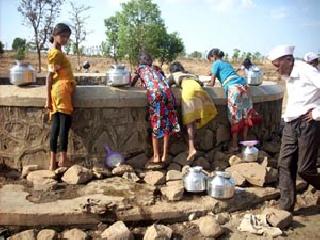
{"x": 222, "y": 186}
{"x": 22, "y": 74}
{"x": 117, "y": 76}
{"x": 250, "y": 152}
{"x": 195, "y": 180}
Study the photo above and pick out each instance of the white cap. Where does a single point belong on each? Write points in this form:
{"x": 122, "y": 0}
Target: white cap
{"x": 279, "y": 51}
{"x": 310, "y": 56}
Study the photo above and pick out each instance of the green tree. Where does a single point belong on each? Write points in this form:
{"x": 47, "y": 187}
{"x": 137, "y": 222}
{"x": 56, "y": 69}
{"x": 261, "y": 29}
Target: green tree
{"x": 236, "y": 54}
{"x": 1, "y": 48}
{"x": 19, "y": 43}
{"x": 40, "y": 15}
{"x": 170, "y": 48}
{"x": 111, "y": 46}
{"x": 78, "y": 27}
{"x": 140, "y": 28}
{"x": 68, "y": 47}
{"x": 195, "y": 54}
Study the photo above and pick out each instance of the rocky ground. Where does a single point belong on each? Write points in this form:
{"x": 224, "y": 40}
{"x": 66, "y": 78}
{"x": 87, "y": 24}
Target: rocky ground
{"x": 151, "y": 203}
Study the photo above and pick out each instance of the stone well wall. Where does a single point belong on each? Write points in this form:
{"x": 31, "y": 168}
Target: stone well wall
{"x": 116, "y": 117}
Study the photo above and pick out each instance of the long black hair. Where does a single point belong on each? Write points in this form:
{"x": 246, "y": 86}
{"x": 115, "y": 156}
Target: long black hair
{"x": 215, "y": 52}
{"x": 176, "y": 67}
{"x": 58, "y": 29}
{"x": 247, "y": 63}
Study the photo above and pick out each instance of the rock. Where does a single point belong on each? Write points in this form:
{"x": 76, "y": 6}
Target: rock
{"x": 222, "y": 134}
{"x": 74, "y": 234}
{"x": 237, "y": 177}
{"x": 13, "y": 174}
{"x": 139, "y": 161}
{"x": 173, "y": 175}
{"x": 25, "y": 235}
{"x": 271, "y": 147}
{"x": 220, "y": 160}
{"x": 156, "y": 232}
{"x": 40, "y": 174}
{"x": 77, "y": 175}
{"x": 185, "y": 169}
{"x": 177, "y": 148}
{"x": 181, "y": 159}
{"x": 60, "y": 170}
{"x": 254, "y": 173}
{"x": 132, "y": 176}
{"x": 207, "y": 140}
{"x": 174, "y": 166}
{"x": 272, "y": 175}
{"x": 173, "y": 192}
{"x": 222, "y": 218}
{"x": 278, "y": 218}
{"x": 47, "y": 234}
{"x": 202, "y": 162}
{"x": 263, "y": 156}
{"x": 121, "y": 169}
{"x": 101, "y": 172}
{"x": 209, "y": 227}
{"x": 174, "y": 183}
{"x": 235, "y": 159}
{"x": 118, "y": 231}
{"x": 28, "y": 168}
{"x": 45, "y": 184}
{"x": 155, "y": 178}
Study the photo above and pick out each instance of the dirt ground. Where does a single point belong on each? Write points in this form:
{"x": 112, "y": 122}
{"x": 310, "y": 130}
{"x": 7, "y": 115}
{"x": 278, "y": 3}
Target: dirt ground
{"x": 102, "y": 64}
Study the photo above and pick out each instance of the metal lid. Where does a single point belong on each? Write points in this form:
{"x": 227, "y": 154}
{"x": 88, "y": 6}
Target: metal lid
{"x": 223, "y": 174}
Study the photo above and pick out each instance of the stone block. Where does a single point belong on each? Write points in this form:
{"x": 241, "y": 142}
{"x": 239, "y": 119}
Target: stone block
{"x": 173, "y": 192}
{"x": 121, "y": 169}
{"x": 117, "y": 231}
{"x": 156, "y": 232}
{"x": 77, "y": 175}
{"x": 25, "y": 235}
{"x": 278, "y": 218}
{"x": 28, "y": 168}
{"x": 75, "y": 234}
{"x": 173, "y": 175}
{"x": 155, "y": 177}
{"x": 209, "y": 227}
{"x": 40, "y": 174}
{"x": 47, "y": 234}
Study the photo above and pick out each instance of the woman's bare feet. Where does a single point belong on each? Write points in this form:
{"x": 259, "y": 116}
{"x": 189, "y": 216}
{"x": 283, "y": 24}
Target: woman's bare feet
{"x": 53, "y": 161}
{"x": 192, "y": 155}
{"x": 155, "y": 159}
{"x": 64, "y": 162}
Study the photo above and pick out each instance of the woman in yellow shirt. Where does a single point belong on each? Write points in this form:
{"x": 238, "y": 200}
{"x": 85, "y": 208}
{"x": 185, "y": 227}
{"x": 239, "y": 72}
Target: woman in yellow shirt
{"x": 60, "y": 88}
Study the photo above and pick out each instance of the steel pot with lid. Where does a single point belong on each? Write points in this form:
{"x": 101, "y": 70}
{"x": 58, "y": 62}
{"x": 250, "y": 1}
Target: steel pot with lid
{"x": 195, "y": 180}
{"x": 22, "y": 74}
{"x": 250, "y": 152}
{"x": 222, "y": 186}
{"x": 117, "y": 76}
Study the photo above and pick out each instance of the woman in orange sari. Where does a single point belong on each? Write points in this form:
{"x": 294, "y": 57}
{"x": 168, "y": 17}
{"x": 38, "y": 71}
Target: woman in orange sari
{"x": 60, "y": 88}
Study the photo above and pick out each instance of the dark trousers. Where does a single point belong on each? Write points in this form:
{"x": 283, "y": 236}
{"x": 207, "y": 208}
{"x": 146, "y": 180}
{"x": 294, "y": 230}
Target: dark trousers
{"x": 298, "y": 154}
{"x": 60, "y": 127}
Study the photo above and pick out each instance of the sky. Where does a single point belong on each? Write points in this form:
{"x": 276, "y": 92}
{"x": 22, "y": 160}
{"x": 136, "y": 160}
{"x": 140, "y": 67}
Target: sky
{"x": 249, "y": 25}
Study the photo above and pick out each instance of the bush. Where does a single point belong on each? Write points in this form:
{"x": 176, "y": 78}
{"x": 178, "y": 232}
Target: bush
{"x": 21, "y": 54}
{"x": 1, "y": 48}
{"x": 18, "y": 43}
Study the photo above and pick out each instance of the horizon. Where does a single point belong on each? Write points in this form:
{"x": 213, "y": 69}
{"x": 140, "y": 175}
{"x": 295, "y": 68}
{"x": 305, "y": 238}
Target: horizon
{"x": 248, "y": 25}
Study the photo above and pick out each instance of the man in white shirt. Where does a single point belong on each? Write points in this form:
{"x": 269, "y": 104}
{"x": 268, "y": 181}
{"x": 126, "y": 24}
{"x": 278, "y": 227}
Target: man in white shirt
{"x": 312, "y": 59}
{"x": 301, "y": 134}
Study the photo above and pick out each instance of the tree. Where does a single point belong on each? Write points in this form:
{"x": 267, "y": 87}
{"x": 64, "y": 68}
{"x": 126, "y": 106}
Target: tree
{"x": 236, "y": 53}
{"x": 195, "y": 54}
{"x": 170, "y": 48}
{"x": 19, "y": 43}
{"x": 40, "y": 14}
{"x": 78, "y": 27}
{"x": 1, "y": 48}
{"x": 140, "y": 28}
{"x": 111, "y": 46}
{"x": 68, "y": 47}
